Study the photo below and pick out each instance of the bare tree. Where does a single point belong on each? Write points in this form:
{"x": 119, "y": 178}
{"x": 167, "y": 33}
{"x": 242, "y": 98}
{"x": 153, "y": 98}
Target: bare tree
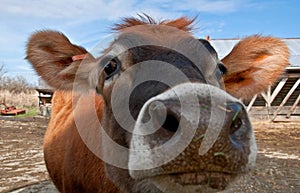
{"x": 2, "y": 71}
{"x": 15, "y": 84}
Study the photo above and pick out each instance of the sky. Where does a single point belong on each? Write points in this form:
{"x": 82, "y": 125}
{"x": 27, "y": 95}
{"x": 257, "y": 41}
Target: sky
{"x": 87, "y": 22}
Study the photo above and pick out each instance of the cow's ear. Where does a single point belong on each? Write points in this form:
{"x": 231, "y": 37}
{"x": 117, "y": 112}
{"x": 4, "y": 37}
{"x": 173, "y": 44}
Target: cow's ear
{"x": 59, "y": 62}
{"x": 254, "y": 64}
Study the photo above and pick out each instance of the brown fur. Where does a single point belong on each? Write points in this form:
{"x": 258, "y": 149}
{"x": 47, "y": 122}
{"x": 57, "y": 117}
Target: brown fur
{"x": 182, "y": 23}
{"x": 252, "y": 65}
{"x": 63, "y": 146}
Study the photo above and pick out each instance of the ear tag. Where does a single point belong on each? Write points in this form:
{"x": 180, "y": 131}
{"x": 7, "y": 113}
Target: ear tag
{"x": 79, "y": 57}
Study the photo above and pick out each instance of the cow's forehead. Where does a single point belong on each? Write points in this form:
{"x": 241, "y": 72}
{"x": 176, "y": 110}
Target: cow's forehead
{"x": 199, "y": 52}
{"x": 156, "y": 32}
{"x": 158, "y": 35}
{"x": 169, "y": 37}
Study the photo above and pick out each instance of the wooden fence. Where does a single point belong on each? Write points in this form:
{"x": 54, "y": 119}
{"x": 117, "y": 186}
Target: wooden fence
{"x": 281, "y": 101}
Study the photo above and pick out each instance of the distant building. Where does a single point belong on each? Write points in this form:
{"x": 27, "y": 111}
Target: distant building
{"x": 45, "y": 97}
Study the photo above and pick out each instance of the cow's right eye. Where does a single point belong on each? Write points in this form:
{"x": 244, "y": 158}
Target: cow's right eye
{"x": 111, "y": 68}
{"x": 221, "y": 70}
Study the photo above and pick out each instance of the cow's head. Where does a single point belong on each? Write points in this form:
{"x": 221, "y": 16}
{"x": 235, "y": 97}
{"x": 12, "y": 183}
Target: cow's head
{"x": 166, "y": 101}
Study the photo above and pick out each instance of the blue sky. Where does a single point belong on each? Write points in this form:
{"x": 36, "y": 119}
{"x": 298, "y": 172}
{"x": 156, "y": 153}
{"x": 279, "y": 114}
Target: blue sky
{"x": 86, "y": 22}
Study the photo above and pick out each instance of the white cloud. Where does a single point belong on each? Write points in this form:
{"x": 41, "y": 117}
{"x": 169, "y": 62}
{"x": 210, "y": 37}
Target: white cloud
{"x": 109, "y": 10}
{"x": 67, "y": 9}
{"x": 20, "y": 18}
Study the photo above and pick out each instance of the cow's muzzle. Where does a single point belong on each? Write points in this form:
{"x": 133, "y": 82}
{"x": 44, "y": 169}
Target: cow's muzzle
{"x": 191, "y": 128}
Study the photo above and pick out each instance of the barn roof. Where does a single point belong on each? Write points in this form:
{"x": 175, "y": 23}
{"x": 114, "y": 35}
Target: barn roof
{"x": 224, "y": 46}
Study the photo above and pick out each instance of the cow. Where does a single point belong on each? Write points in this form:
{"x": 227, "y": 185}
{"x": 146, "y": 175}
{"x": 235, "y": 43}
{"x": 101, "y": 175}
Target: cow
{"x": 156, "y": 112}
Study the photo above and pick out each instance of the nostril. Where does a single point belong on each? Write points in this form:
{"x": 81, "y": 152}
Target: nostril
{"x": 235, "y": 110}
{"x": 237, "y": 131}
{"x": 235, "y": 125}
{"x": 171, "y": 123}
{"x": 161, "y": 116}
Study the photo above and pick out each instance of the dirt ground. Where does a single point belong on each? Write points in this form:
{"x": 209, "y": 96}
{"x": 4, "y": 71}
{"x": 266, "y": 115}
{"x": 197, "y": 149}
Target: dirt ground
{"x": 22, "y": 167}
{"x": 21, "y": 153}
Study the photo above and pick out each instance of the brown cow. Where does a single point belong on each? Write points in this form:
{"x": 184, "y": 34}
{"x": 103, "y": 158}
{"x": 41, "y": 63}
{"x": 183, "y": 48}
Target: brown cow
{"x": 166, "y": 123}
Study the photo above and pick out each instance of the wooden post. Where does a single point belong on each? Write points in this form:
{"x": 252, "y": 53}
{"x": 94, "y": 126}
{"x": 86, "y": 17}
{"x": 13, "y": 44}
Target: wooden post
{"x": 278, "y": 89}
{"x": 293, "y": 107}
{"x": 267, "y": 97}
{"x": 251, "y": 103}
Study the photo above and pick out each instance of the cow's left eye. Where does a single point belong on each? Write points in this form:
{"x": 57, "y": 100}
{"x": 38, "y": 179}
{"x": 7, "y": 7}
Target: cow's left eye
{"x": 111, "y": 68}
{"x": 221, "y": 70}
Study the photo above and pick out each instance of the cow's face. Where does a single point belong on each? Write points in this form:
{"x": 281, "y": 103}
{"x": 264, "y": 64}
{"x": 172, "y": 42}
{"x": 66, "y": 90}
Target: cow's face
{"x": 165, "y": 97}
{"x": 166, "y": 104}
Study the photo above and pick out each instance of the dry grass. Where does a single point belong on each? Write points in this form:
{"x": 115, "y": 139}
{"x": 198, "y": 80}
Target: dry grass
{"x": 20, "y": 100}
{"x": 16, "y": 91}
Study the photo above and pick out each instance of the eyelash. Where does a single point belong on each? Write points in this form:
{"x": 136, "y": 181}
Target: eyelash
{"x": 111, "y": 68}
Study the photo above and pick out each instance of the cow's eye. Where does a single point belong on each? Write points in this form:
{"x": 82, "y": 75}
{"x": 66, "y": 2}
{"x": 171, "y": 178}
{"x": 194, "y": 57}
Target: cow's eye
{"x": 111, "y": 68}
{"x": 221, "y": 70}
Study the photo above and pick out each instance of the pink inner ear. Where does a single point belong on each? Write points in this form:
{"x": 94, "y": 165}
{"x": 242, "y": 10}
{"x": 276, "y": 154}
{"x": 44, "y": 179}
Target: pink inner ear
{"x": 79, "y": 57}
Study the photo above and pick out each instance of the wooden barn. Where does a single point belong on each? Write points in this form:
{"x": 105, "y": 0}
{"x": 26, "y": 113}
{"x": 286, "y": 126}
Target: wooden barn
{"x": 281, "y": 102}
